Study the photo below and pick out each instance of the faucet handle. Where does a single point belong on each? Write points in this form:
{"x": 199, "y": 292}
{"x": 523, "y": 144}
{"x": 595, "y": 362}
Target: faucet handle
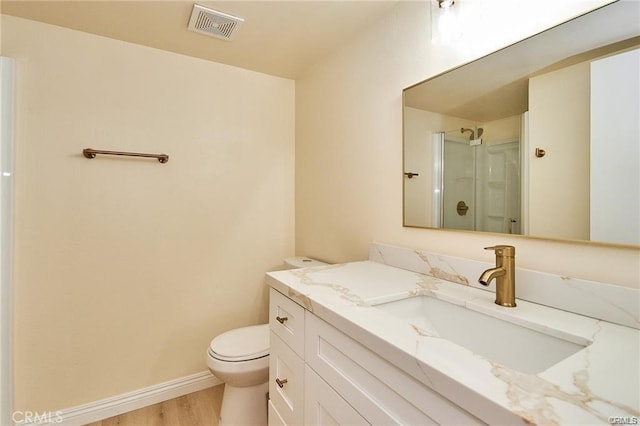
{"x": 502, "y": 250}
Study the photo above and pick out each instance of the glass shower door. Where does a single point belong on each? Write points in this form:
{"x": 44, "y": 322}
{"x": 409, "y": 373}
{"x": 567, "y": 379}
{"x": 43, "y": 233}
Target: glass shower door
{"x": 458, "y": 201}
{"x": 481, "y": 186}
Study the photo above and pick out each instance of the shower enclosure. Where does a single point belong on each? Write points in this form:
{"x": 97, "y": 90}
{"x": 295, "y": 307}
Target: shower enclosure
{"x": 476, "y": 186}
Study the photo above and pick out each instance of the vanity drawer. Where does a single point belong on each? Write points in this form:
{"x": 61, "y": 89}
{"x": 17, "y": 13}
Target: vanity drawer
{"x": 286, "y": 382}
{"x": 286, "y": 319}
{"x": 377, "y": 389}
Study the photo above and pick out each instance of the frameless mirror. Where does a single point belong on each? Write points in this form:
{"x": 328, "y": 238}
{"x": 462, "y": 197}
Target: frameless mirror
{"x": 541, "y": 138}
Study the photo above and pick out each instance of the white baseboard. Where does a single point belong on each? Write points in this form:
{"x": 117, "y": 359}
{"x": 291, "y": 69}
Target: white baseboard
{"x": 109, "y": 407}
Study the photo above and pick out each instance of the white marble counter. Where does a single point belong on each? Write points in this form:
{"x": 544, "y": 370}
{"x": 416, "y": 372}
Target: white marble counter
{"x": 596, "y": 383}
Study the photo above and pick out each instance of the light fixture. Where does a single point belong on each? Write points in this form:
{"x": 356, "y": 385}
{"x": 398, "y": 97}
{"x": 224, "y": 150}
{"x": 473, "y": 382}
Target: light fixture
{"x": 444, "y": 4}
{"x": 446, "y": 25}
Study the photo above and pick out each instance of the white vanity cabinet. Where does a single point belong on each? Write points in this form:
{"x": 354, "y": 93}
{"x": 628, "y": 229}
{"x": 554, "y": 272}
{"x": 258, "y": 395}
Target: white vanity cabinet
{"x": 333, "y": 379}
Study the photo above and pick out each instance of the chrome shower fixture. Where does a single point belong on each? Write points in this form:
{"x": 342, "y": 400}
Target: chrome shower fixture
{"x": 473, "y": 131}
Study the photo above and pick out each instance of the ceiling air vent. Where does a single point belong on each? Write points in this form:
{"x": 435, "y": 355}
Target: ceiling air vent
{"x": 211, "y": 22}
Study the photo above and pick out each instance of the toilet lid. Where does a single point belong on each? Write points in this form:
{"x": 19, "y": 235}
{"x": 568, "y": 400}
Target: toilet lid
{"x": 241, "y": 344}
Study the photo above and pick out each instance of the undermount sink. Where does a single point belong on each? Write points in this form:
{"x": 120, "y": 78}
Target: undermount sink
{"x": 497, "y": 340}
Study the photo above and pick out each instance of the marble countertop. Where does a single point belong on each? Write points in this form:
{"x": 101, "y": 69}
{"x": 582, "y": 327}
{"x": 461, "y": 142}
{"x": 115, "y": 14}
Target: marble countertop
{"x": 589, "y": 387}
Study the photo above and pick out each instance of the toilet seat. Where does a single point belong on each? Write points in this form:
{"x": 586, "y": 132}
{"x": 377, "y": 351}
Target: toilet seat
{"x": 241, "y": 344}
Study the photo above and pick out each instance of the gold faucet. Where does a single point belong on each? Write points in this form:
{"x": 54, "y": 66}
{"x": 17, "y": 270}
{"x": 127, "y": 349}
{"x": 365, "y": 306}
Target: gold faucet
{"x": 505, "y": 275}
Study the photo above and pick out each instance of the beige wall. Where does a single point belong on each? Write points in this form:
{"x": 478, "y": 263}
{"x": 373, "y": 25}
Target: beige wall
{"x": 349, "y": 157}
{"x": 559, "y": 182}
{"x": 126, "y": 268}
{"x": 503, "y": 129}
{"x": 418, "y": 135}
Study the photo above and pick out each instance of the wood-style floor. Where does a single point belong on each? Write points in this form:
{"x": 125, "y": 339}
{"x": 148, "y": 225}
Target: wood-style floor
{"x": 200, "y": 408}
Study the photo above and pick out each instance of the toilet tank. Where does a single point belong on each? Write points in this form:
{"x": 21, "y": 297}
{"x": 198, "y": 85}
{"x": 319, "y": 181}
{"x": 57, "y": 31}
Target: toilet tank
{"x": 301, "y": 262}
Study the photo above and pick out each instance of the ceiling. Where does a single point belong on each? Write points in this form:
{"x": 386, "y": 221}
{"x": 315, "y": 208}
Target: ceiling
{"x": 281, "y": 38}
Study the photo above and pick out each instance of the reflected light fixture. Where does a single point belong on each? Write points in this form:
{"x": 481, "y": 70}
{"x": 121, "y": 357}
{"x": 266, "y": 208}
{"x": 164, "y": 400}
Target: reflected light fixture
{"x": 444, "y": 4}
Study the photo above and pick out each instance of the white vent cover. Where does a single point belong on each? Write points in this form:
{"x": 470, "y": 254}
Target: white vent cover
{"x": 211, "y": 22}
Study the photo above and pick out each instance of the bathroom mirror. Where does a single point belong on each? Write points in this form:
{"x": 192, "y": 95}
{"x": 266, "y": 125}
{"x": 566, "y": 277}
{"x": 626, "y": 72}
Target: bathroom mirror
{"x": 539, "y": 139}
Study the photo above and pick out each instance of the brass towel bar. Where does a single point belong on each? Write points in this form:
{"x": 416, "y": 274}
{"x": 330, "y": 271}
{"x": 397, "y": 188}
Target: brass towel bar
{"x": 91, "y": 153}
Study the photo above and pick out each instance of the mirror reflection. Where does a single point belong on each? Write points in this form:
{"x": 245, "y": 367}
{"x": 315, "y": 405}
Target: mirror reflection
{"x": 541, "y": 138}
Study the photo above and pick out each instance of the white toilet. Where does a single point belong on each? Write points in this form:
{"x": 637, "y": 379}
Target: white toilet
{"x": 240, "y": 358}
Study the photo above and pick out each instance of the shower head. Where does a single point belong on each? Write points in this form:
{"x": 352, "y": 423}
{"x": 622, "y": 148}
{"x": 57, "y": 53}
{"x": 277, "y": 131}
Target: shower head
{"x": 480, "y": 131}
{"x": 473, "y": 133}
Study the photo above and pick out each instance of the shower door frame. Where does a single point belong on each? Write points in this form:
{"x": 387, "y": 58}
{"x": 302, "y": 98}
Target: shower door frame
{"x": 7, "y": 149}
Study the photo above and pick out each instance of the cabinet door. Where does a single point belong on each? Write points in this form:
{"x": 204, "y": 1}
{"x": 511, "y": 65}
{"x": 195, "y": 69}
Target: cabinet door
{"x": 377, "y": 389}
{"x": 286, "y": 381}
{"x": 274, "y": 417}
{"x": 323, "y": 406}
